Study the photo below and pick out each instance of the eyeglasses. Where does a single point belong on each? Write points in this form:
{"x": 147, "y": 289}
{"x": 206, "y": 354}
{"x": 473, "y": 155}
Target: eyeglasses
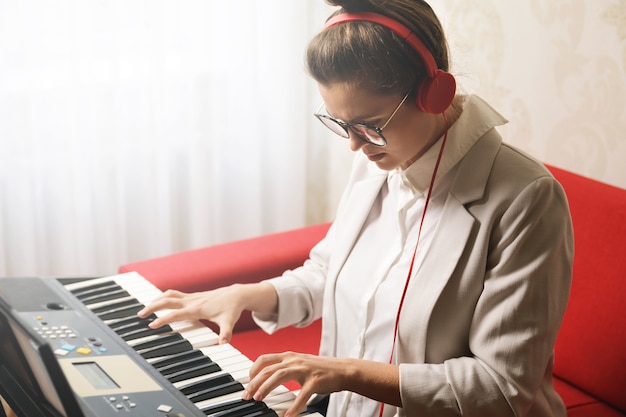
{"x": 370, "y": 134}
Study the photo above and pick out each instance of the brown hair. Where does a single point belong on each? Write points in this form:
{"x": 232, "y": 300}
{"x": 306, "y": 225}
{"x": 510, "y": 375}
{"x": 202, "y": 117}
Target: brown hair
{"x": 371, "y": 56}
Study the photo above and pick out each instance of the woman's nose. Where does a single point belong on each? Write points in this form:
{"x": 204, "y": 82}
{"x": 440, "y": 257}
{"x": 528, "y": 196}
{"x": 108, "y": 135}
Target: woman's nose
{"x": 356, "y": 142}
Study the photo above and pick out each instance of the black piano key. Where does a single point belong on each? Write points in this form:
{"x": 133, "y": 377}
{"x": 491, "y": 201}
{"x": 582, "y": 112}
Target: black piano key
{"x": 161, "y": 363}
{"x": 265, "y": 413}
{"x": 166, "y": 349}
{"x": 235, "y": 408}
{"x": 116, "y": 305}
{"x": 193, "y": 371}
{"x": 183, "y": 365}
{"x": 226, "y": 405}
{"x": 118, "y": 313}
{"x": 131, "y": 326}
{"x": 107, "y": 296}
{"x": 216, "y": 391}
{"x": 94, "y": 287}
{"x": 145, "y": 332}
{"x": 206, "y": 383}
{"x": 89, "y": 293}
{"x": 158, "y": 341}
{"x": 120, "y": 324}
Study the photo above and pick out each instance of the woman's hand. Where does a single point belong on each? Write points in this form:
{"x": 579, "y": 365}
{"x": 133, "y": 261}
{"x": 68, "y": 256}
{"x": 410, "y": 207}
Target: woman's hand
{"x": 323, "y": 375}
{"x": 316, "y": 374}
{"x": 222, "y": 306}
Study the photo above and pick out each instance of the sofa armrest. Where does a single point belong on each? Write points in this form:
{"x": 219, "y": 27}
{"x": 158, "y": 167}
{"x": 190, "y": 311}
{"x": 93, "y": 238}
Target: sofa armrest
{"x": 242, "y": 261}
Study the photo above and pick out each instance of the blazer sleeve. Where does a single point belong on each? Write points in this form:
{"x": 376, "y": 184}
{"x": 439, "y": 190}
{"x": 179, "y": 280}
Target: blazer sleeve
{"x": 301, "y": 291}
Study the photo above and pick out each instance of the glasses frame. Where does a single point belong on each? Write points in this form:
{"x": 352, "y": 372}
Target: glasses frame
{"x": 351, "y": 127}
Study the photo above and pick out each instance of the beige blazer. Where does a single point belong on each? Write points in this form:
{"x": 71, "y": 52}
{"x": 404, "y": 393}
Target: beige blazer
{"x": 481, "y": 315}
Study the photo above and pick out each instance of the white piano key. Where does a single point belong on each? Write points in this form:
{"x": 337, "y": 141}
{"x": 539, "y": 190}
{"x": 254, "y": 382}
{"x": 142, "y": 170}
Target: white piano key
{"x": 219, "y": 400}
{"x": 87, "y": 283}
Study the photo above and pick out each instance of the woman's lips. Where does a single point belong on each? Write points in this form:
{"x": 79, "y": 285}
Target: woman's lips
{"x": 376, "y": 157}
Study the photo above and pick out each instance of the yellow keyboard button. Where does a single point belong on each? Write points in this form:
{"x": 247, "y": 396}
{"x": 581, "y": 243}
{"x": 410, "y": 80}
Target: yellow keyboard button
{"x": 83, "y": 351}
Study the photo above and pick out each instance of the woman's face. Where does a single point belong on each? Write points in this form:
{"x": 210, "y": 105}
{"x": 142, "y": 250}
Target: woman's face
{"x": 409, "y": 133}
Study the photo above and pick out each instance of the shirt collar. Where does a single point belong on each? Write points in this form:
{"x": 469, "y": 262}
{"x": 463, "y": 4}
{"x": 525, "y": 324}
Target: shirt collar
{"x": 476, "y": 119}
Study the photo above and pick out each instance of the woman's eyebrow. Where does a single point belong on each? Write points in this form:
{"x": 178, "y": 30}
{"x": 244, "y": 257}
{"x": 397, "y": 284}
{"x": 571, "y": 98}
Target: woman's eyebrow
{"x": 367, "y": 119}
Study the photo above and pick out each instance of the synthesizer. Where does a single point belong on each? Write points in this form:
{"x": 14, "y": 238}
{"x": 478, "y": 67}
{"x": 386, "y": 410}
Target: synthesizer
{"x": 85, "y": 352}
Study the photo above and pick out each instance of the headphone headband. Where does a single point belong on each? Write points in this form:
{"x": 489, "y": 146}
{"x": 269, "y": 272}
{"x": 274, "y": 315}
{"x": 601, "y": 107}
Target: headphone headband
{"x": 436, "y": 93}
{"x": 398, "y": 28}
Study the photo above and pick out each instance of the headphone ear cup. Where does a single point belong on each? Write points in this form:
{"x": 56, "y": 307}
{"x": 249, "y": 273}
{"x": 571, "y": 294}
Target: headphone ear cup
{"x": 435, "y": 95}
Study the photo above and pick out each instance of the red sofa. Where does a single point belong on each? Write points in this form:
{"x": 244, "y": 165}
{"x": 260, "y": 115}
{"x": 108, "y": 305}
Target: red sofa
{"x": 590, "y": 362}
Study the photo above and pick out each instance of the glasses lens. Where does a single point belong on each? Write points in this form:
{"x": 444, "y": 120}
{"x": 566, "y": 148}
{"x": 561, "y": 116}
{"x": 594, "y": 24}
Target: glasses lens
{"x": 333, "y": 125}
{"x": 369, "y": 134}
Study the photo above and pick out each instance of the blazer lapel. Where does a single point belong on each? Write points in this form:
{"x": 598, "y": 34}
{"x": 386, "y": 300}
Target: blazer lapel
{"x": 353, "y": 217}
{"x": 450, "y": 239}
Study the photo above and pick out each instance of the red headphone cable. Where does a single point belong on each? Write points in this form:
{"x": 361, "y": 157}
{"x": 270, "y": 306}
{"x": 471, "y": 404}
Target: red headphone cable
{"x": 419, "y": 233}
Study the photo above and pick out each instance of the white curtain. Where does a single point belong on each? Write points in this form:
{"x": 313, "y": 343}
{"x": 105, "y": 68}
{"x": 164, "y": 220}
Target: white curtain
{"x": 132, "y": 129}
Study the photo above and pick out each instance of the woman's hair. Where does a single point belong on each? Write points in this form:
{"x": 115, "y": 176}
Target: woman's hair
{"x": 371, "y": 56}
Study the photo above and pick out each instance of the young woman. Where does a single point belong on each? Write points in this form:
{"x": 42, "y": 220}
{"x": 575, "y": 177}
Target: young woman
{"x": 443, "y": 280}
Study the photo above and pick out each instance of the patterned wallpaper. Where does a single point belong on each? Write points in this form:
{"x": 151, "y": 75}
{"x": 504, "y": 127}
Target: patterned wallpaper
{"x": 555, "y": 68}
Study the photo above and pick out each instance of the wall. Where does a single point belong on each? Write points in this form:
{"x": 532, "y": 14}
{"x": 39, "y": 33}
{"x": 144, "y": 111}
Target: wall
{"x": 556, "y": 69}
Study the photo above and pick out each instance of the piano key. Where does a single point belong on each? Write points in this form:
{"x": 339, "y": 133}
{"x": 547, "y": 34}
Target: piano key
{"x": 206, "y": 382}
{"x": 174, "y": 359}
{"x": 140, "y": 332}
{"x": 190, "y": 333}
{"x": 184, "y": 364}
{"x": 113, "y": 304}
{"x": 198, "y": 334}
{"x": 235, "y": 408}
{"x": 264, "y": 413}
{"x": 119, "y": 312}
{"x": 170, "y": 348}
{"x": 90, "y": 286}
{"x": 247, "y": 411}
{"x": 139, "y": 288}
{"x": 216, "y": 391}
{"x": 201, "y": 369}
{"x": 278, "y": 400}
{"x": 219, "y": 400}
{"x": 107, "y": 294}
{"x": 197, "y": 338}
{"x": 121, "y": 324}
{"x": 102, "y": 295}
{"x": 154, "y": 341}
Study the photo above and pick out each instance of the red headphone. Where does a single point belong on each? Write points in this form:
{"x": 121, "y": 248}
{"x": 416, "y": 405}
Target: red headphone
{"x": 437, "y": 91}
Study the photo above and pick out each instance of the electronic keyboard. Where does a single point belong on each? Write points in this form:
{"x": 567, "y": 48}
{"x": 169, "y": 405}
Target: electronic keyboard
{"x": 81, "y": 338}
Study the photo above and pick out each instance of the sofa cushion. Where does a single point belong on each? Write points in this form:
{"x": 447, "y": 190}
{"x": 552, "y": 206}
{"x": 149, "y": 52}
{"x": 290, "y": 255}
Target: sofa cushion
{"x": 590, "y": 351}
{"x": 581, "y": 404}
{"x": 243, "y": 261}
{"x": 572, "y": 396}
{"x": 230, "y": 262}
